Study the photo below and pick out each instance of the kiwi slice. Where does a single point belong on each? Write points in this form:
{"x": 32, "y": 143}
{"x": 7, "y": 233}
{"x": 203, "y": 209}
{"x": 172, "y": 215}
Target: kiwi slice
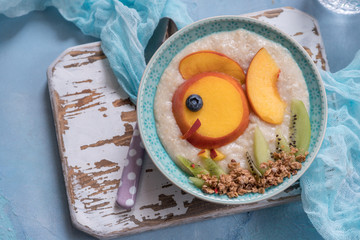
{"x": 212, "y": 167}
{"x": 195, "y": 169}
{"x": 300, "y": 129}
{"x": 261, "y": 150}
{"x": 281, "y": 142}
{"x": 197, "y": 182}
{"x": 252, "y": 166}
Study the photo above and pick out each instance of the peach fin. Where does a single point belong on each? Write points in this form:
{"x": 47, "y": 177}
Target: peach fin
{"x": 192, "y": 129}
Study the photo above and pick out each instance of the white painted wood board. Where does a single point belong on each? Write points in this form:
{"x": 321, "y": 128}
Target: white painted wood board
{"x": 94, "y": 121}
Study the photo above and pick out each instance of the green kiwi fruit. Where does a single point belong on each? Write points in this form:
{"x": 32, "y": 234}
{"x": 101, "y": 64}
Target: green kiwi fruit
{"x": 212, "y": 167}
{"x": 261, "y": 150}
{"x": 281, "y": 142}
{"x": 195, "y": 169}
{"x": 252, "y": 166}
{"x": 300, "y": 129}
{"x": 197, "y": 182}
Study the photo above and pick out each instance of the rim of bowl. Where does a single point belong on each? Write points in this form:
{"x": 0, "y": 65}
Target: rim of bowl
{"x": 279, "y": 188}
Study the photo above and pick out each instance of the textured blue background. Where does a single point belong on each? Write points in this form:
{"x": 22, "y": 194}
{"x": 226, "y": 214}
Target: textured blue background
{"x": 33, "y": 202}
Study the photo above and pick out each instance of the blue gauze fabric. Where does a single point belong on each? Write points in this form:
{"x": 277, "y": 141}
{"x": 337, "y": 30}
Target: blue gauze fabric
{"x": 124, "y": 27}
{"x": 331, "y": 186}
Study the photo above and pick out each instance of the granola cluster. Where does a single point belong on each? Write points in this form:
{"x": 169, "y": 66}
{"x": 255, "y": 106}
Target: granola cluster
{"x": 240, "y": 181}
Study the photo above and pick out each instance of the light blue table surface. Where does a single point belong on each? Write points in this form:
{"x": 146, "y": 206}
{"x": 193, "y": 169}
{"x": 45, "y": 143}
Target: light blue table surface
{"x": 33, "y": 203}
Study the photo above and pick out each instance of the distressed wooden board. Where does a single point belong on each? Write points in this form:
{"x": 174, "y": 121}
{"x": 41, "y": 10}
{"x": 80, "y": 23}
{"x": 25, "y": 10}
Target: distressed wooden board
{"x": 94, "y": 122}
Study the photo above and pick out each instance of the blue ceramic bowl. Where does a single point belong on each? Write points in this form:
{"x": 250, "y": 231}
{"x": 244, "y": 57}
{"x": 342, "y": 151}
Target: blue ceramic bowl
{"x": 189, "y": 34}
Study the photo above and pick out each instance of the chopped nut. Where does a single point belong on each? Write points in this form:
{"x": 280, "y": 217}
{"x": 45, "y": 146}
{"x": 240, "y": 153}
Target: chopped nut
{"x": 300, "y": 158}
{"x": 240, "y": 181}
{"x": 295, "y": 165}
{"x": 222, "y": 188}
{"x": 264, "y": 165}
{"x": 207, "y": 189}
{"x": 293, "y": 150}
{"x": 232, "y": 194}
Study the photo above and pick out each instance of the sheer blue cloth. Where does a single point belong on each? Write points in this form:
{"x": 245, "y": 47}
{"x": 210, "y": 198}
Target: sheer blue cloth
{"x": 331, "y": 186}
{"x": 124, "y": 28}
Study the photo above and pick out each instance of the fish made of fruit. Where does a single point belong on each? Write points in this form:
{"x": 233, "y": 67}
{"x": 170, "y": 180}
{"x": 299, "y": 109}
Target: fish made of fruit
{"x": 212, "y": 109}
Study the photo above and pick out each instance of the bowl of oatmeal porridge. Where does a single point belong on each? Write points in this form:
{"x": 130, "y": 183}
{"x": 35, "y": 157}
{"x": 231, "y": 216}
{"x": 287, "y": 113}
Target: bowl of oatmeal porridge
{"x": 226, "y": 133}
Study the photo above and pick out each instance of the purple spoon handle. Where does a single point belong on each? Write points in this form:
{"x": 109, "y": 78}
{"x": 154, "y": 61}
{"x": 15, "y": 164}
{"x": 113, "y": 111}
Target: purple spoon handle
{"x": 126, "y": 194}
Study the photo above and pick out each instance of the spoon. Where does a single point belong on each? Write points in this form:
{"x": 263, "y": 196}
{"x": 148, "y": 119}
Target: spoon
{"x": 126, "y": 194}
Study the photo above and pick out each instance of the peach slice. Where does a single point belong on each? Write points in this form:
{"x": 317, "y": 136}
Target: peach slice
{"x": 210, "y": 61}
{"x": 216, "y": 155}
{"x": 224, "y": 115}
{"x": 204, "y": 153}
{"x": 192, "y": 129}
{"x": 261, "y": 80}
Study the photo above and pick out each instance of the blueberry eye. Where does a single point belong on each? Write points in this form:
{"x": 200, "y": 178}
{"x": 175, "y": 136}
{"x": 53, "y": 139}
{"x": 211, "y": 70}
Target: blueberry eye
{"x": 194, "y": 103}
